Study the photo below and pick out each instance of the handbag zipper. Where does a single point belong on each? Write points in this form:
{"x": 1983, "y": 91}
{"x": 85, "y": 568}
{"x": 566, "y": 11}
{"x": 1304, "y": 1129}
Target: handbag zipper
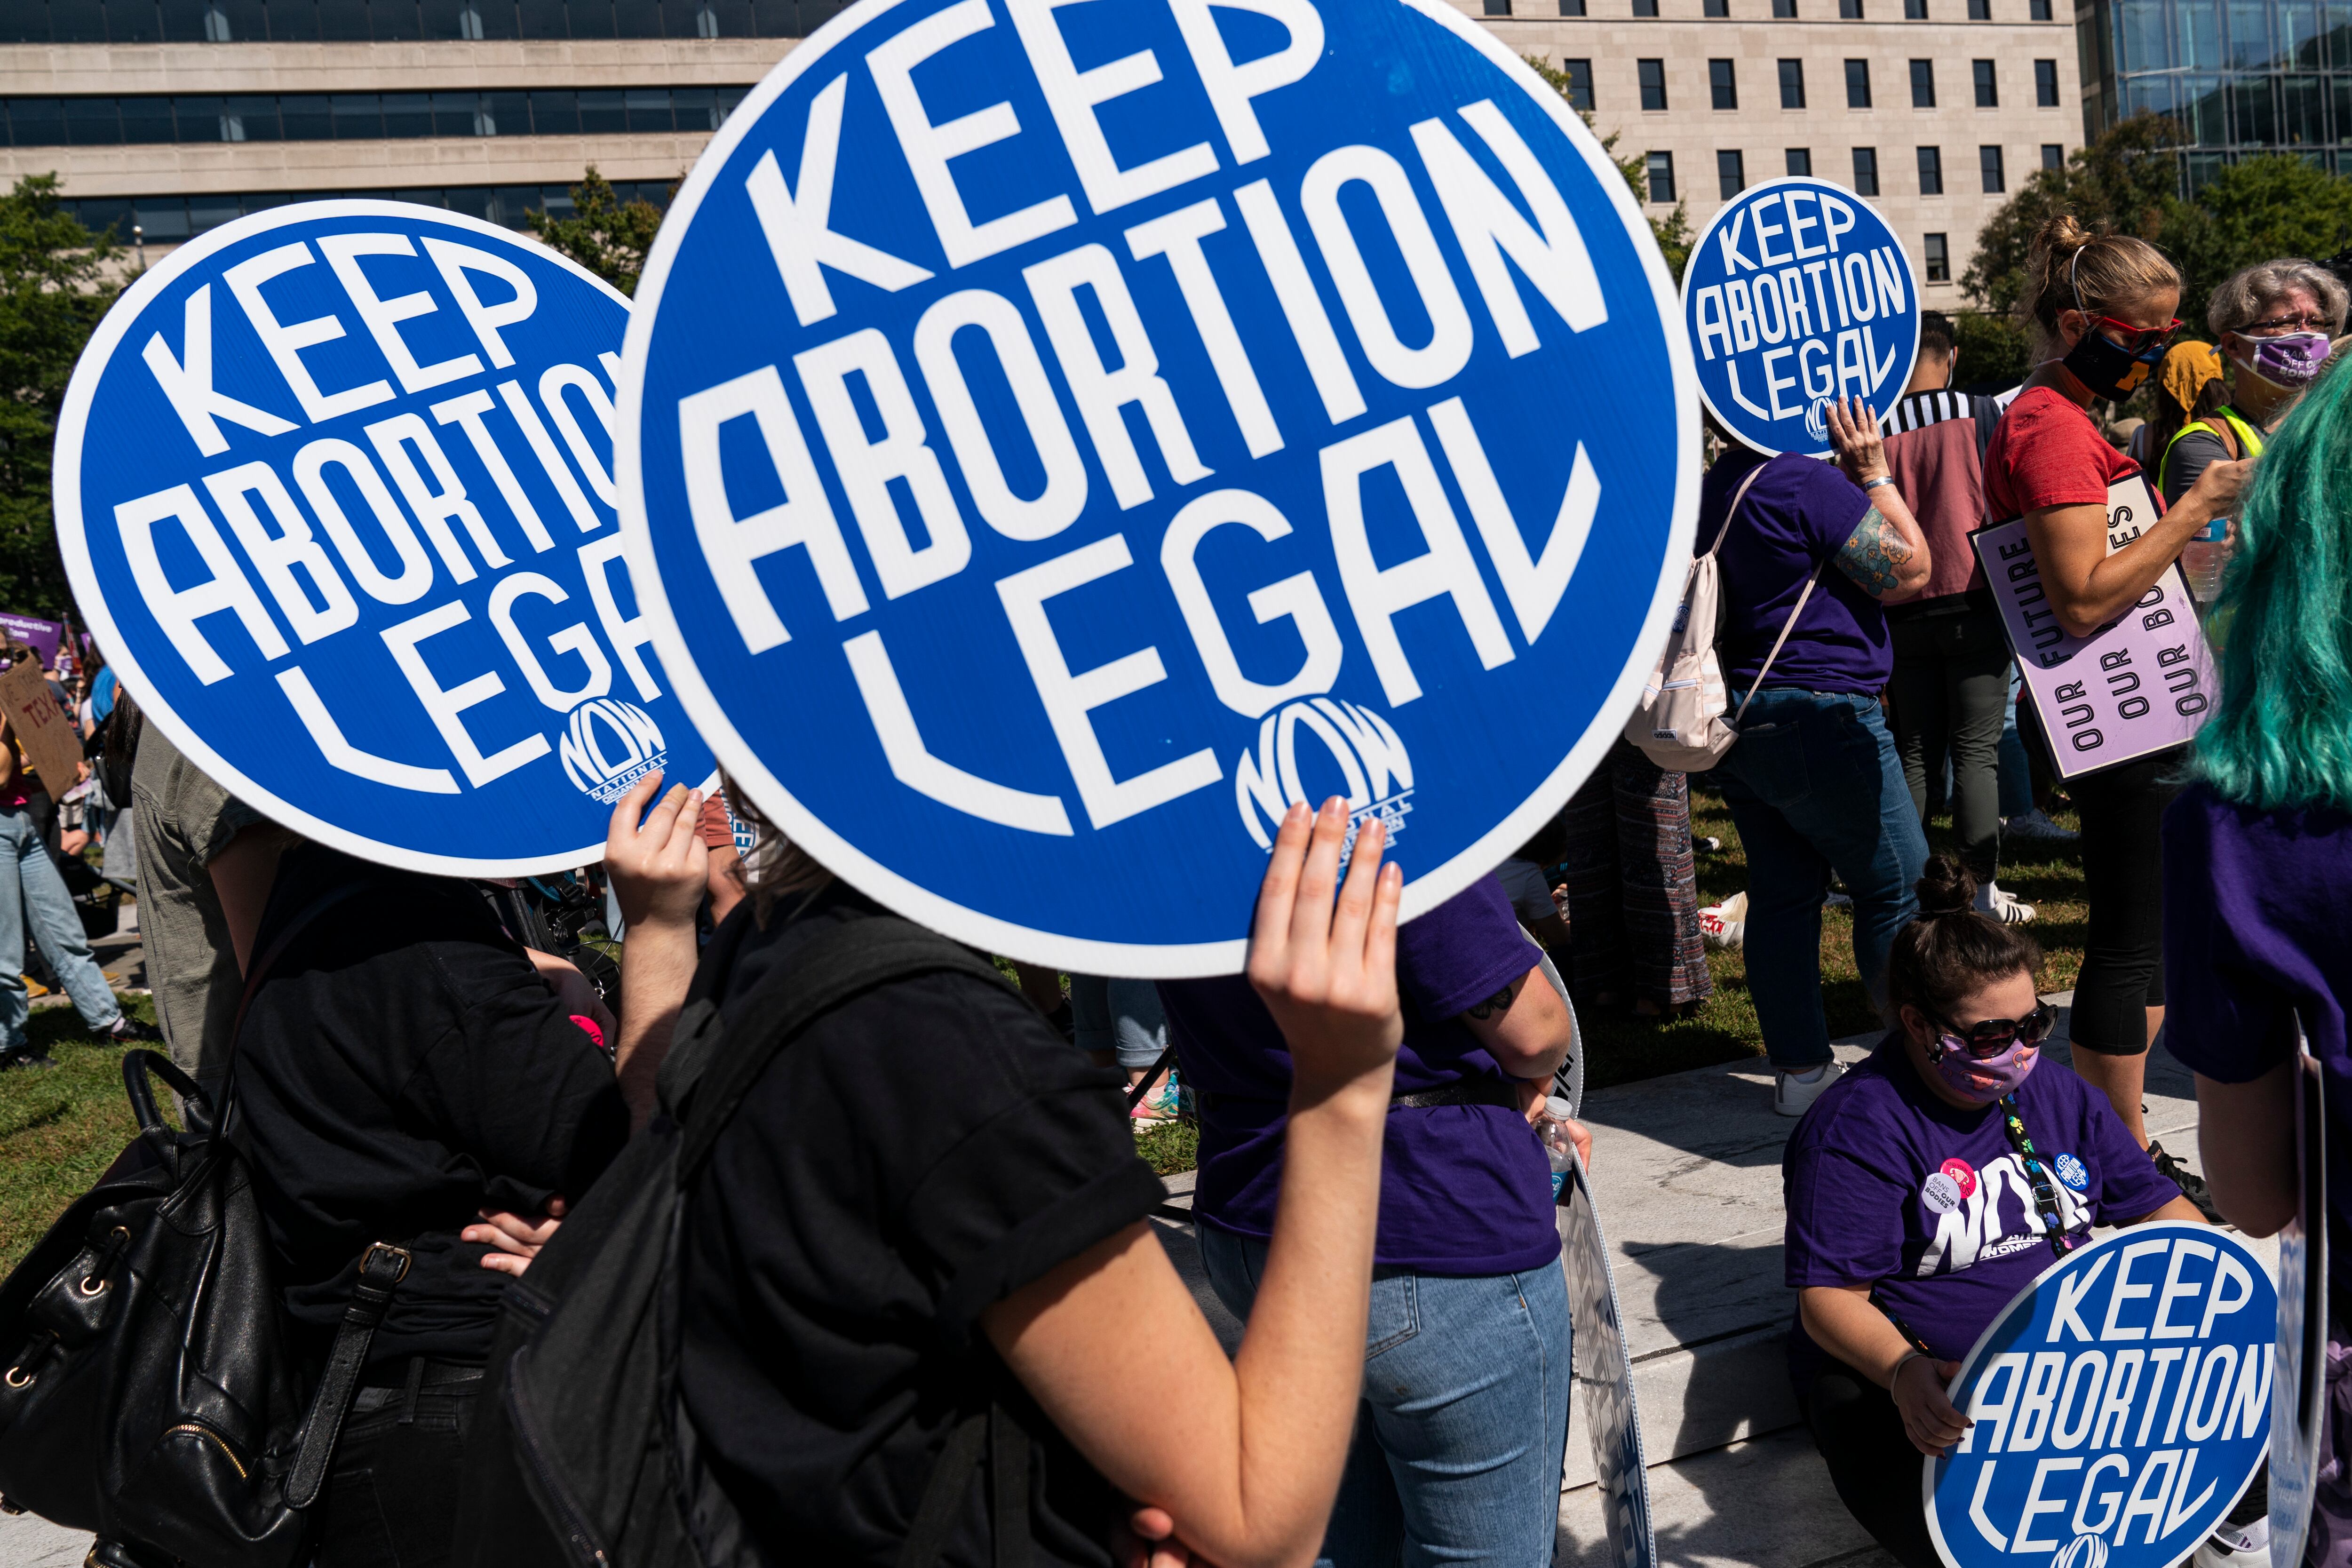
{"x": 217, "y": 1440}
{"x": 575, "y": 1527}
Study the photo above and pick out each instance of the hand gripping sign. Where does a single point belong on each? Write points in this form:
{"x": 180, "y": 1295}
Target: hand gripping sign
{"x": 334, "y": 489}
{"x": 2122, "y": 1402}
{"x": 1797, "y": 293}
{"x": 1060, "y": 435}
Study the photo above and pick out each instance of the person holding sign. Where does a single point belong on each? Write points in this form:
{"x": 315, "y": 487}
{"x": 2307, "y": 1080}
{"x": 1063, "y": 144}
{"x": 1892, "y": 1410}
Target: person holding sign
{"x": 2103, "y": 307}
{"x": 1925, "y": 1189}
{"x": 2257, "y": 870}
{"x": 1814, "y": 784}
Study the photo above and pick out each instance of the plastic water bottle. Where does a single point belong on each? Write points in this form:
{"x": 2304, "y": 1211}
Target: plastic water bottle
{"x": 2205, "y": 558}
{"x": 1556, "y": 1144}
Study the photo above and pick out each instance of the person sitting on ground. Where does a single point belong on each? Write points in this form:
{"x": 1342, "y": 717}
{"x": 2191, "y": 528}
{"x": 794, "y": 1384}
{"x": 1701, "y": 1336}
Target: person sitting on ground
{"x": 1450, "y": 1460}
{"x": 1925, "y": 1189}
{"x": 1811, "y": 555}
{"x": 851, "y": 1270}
{"x": 2258, "y": 873}
{"x": 2273, "y": 322}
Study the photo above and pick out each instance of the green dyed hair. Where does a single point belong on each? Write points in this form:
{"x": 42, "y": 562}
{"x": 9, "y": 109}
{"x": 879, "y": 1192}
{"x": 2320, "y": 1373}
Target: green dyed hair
{"x": 2282, "y": 736}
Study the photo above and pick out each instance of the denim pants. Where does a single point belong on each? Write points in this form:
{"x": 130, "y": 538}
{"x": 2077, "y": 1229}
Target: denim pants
{"x": 30, "y": 889}
{"x": 1462, "y": 1431}
{"x": 1123, "y": 1016}
{"x": 1815, "y": 785}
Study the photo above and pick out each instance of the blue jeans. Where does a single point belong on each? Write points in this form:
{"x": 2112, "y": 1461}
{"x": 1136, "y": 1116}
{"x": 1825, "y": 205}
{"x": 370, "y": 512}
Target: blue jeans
{"x": 31, "y": 889}
{"x": 1464, "y": 1428}
{"x": 1120, "y": 1015}
{"x": 1814, "y": 784}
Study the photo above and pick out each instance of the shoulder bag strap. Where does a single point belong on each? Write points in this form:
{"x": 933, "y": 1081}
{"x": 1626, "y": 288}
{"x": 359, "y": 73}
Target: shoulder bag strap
{"x": 838, "y": 964}
{"x": 1788, "y": 627}
{"x": 1733, "y": 509}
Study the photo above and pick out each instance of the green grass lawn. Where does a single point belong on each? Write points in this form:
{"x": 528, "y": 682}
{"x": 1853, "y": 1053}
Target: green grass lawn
{"x": 60, "y": 1127}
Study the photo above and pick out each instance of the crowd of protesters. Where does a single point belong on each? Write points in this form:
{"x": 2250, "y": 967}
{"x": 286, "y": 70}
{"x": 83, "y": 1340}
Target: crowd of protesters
{"x": 1373, "y": 1197}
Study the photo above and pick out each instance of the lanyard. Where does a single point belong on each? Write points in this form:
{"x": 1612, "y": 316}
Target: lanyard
{"x": 2037, "y": 1175}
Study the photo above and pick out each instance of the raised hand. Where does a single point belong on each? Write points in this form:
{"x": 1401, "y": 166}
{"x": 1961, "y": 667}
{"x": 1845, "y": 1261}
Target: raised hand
{"x": 1326, "y": 970}
{"x": 659, "y": 865}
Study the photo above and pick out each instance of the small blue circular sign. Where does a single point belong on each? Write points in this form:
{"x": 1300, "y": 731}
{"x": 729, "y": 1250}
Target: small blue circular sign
{"x": 2120, "y": 1406}
{"x": 1797, "y": 293}
{"x": 2072, "y": 1172}
{"x": 1060, "y": 436}
{"x": 335, "y": 488}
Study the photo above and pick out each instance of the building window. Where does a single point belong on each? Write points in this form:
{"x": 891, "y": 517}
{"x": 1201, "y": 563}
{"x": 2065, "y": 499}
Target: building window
{"x": 1792, "y": 84}
{"x": 1989, "y": 164}
{"x": 1653, "y": 75}
{"x": 1784, "y": 9}
{"x": 1716, "y": 8}
{"x": 2040, "y": 10}
{"x": 358, "y": 116}
{"x": 1730, "y": 173}
{"x": 397, "y": 21}
{"x": 1914, "y": 10}
{"x": 1722, "y": 85}
{"x": 2054, "y": 156}
{"x": 1645, "y": 7}
{"x": 1571, "y": 7}
{"x": 1579, "y": 83}
{"x": 1499, "y": 7}
{"x": 1800, "y": 163}
{"x": 1857, "y": 84}
{"x": 1865, "y": 171}
{"x": 1979, "y": 10}
{"x": 1923, "y": 84}
{"x": 1849, "y": 10}
{"x": 1660, "y": 170}
{"x": 2046, "y": 84}
{"x": 1987, "y": 90}
{"x": 1939, "y": 259}
{"x": 1931, "y": 171}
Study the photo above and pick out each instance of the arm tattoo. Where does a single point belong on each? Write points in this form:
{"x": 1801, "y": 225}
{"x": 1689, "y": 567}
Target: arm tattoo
{"x": 1874, "y": 557}
{"x": 1500, "y": 1001}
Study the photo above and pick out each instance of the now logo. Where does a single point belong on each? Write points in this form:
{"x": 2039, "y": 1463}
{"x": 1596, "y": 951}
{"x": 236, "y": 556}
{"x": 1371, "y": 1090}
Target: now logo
{"x": 1370, "y": 759}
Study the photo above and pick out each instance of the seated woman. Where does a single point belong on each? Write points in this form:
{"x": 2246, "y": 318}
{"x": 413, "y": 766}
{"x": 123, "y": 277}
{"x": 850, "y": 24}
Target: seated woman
{"x": 1927, "y": 1188}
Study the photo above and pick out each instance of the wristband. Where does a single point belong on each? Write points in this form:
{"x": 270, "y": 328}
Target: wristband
{"x": 1914, "y": 1354}
{"x": 1870, "y": 485}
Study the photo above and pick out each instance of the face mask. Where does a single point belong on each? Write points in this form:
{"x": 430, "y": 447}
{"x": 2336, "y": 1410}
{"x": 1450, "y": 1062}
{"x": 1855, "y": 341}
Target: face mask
{"x": 2293, "y": 361}
{"x": 2109, "y": 370}
{"x": 1980, "y": 1080}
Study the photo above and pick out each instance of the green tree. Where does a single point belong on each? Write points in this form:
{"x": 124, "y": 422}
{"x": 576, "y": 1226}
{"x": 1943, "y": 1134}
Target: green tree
{"x": 2258, "y": 210}
{"x": 2126, "y": 181}
{"x": 605, "y": 235}
{"x": 56, "y": 278}
{"x": 1672, "y": 232}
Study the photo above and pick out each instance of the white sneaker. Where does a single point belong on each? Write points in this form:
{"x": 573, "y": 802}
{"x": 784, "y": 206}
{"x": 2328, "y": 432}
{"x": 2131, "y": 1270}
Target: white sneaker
{"x": 1793, "y": 1093}
{"x": 1724, "y": 926}
{"x": 1997, "y": 905}
{"x": 2236, "y": 1546}
{"x": 2034, "y": 826}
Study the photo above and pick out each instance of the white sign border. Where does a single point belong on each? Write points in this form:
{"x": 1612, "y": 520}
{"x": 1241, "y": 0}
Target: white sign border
{"x": 1138, "y": 961}
{"x": 1810, "y": 182}
{"x": 81, "y": 573}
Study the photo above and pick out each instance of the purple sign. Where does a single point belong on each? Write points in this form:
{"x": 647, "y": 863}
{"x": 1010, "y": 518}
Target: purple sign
{"x": 42, "y": 637}
{"x": 2142, "y": 683}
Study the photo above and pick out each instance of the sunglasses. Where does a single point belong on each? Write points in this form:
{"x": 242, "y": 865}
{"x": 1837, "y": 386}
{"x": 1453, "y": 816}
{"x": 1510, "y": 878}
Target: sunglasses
{"x": 2141, "y": 343}
{"x": 1990, "y": 1036}
{"x": 2285, "y": 324}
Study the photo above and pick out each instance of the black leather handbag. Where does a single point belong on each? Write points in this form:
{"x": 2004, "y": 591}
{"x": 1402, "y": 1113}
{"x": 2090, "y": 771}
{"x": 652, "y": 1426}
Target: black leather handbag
{"x": 149, "y": 1394}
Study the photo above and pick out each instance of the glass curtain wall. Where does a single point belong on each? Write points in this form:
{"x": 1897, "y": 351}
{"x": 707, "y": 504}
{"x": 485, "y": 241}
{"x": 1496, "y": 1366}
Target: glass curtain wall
{"x": 2239, "y": 76}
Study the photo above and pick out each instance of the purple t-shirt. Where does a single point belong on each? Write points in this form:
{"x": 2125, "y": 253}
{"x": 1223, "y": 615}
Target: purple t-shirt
{"x": 1464, "y": 1189}
{"x": 2254, "y": 934}
{"x": 1861, "y": 1212}
{"x": 1799, "y": 512}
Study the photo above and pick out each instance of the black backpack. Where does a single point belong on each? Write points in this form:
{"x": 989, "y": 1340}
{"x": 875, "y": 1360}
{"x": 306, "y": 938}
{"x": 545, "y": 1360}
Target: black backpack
{"x": 150, "y": 1395}
{"x": 582, "y": 1455}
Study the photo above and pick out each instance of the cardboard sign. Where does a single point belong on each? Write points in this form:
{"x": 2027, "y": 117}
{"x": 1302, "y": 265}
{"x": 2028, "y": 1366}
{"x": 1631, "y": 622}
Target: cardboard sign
{"x": 1058, "y": 437}
{"x": 2142, "y": 683}
{"x": 2122, "y": 1398}
{"x": 43, "y": 731}
{"x": 335, "y": 488}
{"x": 1798, "y": 292}
{"x": 1605, "y": 1372}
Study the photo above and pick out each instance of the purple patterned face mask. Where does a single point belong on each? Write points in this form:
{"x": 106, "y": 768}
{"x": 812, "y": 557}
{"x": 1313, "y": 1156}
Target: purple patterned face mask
{"x": 1980, "y": 1080}
{"x": 2293, "y": 361}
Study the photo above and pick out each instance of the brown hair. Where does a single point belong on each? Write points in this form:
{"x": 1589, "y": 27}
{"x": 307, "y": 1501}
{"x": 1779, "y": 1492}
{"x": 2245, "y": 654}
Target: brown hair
{"x": 2072, "y": 268}
{"x": 2243, "y": 297}
{"x": 1951, "y": 950}
{"x": 776, "y": 865}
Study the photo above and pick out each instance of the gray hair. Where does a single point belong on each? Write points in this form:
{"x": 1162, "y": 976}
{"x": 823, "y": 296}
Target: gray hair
{"x": 2248, "y": 295}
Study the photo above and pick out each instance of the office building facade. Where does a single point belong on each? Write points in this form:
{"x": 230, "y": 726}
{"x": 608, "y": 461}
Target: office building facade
{"x": 2238, "y": 76}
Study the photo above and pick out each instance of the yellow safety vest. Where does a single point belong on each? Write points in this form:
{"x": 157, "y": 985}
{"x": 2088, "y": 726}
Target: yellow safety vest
{"x": 2250, "y": 441}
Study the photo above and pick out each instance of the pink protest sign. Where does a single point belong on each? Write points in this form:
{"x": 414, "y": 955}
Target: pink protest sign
{"x": 2142, "y": 683}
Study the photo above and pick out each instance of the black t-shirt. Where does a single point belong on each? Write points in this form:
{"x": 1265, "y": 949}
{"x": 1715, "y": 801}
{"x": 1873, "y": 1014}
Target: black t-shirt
{"x": 401, "y": 1068}
{"x": 915, "y": 1155}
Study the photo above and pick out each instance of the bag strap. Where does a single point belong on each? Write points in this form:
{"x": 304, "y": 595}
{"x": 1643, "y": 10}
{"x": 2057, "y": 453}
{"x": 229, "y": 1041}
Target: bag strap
{"x": 382, "y": 1268}
{"x": 996, "y": 1432}
{"x": 1790, "y": 625}
{"x": 1733, "y": 509}
{"x": 830, "y": 969}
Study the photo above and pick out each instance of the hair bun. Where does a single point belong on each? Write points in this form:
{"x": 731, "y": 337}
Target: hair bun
{"x": 1944, "y": 888}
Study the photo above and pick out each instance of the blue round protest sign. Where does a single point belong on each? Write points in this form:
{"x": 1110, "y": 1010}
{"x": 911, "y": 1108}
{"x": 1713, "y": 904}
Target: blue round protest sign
{"x": 1060, "y": 435}
{"x": 1798, "y": 292}
{"x": 335, "y": 488}
{"x": 2120, "y": 1404}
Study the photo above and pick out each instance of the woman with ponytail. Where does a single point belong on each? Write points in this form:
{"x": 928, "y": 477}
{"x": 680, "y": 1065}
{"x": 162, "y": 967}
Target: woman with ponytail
{"x": 1929, "y": 1185}
{"x": 2258, "y": 874}
{"x": 2102, "y": 307}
